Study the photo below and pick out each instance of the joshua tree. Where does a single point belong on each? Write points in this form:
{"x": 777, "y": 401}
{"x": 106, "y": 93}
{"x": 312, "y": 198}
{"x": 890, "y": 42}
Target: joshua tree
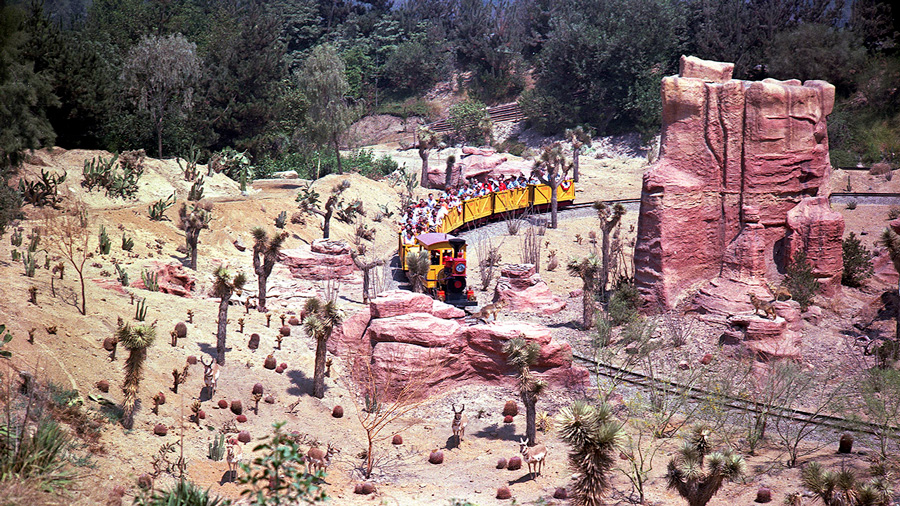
{"x": 417, "y": 269}
{"x": 522, "y": 355}
{"x": 366, "y": 266}
{"x": 320, "y": 320}
{"x": 552, "y": 169}
{"x": 192, "y": 220}
{"x": 593, "y": 435}
{"x": 842, "y": 488}
{"x": 136, "y": 340}
{"x": 265, "y": 254}
{"x": 309, "y": 202}
{"x": 579, "y": 136}
{"x": 224, "y": 286}
{"x": 609, "y": 219}
{"x": 891, "y": 241}
{"x": 587, "y": 269}
{"x": 686, "y": 473}
{"x": 426, "y": 140}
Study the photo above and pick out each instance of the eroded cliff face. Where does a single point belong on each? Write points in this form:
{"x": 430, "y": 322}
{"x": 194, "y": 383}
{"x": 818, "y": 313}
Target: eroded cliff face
{"x": 740, "y": 185}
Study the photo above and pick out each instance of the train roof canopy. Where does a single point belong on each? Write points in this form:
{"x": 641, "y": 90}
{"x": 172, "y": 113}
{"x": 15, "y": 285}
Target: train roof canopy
{"x": 432, "y": 238}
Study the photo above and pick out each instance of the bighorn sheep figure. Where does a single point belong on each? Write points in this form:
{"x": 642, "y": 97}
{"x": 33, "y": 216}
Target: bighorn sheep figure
{"x": 534, "y": 457}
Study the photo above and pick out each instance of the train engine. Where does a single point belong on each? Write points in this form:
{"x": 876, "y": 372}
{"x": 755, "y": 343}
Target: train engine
{"x": 446, "y": 278}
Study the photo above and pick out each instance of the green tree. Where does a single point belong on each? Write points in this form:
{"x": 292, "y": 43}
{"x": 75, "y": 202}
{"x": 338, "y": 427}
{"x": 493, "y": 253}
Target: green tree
{"x": 159, "y": 75}
{"x": 816, "y": 51}
{"x": 274, "y": 474}
{"x": 594, "y": 437}
{"x": 551, "y": 169}
{"x": 320, "y": 320}
{"x": 467, "y": 119}
{"x": 522, "y": 355}
{"x": 857, "y": 261}
{"x": 324, "y": 82}
{"x": 696, "y": 474}
{"x": 265, "y": 254}
{"x": 224, "y": 286}
{"x": 136, "y": 340}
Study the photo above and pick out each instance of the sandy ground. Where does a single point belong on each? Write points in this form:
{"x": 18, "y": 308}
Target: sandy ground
{"x": 73, "y": 357}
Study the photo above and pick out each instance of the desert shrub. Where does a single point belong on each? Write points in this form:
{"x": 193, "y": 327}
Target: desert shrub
{"x": 466, "y": 119}
{"x": 316, "y": 164}
{"x": 412, "y": 107}
{"x": 512, "y": 146}
{"x": 39, "y": 455}
{"x": 270, "y": 479}
{"x": 851, "y": 205}
{"x": 184, "y": 493}
{"x": 800, "y": 280}
{"x": 857, "y": 261}
{"x": 624, "y": 303}
{"x": 894, "y": 213}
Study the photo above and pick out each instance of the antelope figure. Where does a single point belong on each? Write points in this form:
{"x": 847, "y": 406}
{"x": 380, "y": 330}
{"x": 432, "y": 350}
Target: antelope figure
{"x": 234, "y": 454}
{"x": 210, "y": 375}
{"x": 317, "y": 460}
{"x": 534, "y": 457}
{"x": 459, "y": 423}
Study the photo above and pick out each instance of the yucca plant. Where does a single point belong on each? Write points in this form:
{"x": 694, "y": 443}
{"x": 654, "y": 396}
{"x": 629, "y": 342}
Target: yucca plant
{"x": 588, "y": 269}
{"x": 522, "y": 355}
{"x": 320, "y": 320}
{"x": 698, "y": 475}
{"x": 184, "y": 493}
{"x": 225, "y": 285}
{"x": 36, "y": 455}
{"x": 417, "y": 265}
{"x": 136, "y": 340}
{"x": 192, "y": 220}
{"x": 594, "y": 437}
{"x": 265, "y": 254}
{"x": 127, "y": 243}
{"x": 841, "y": 488}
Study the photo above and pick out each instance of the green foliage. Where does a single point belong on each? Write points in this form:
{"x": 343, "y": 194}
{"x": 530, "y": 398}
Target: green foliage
{"x": 308, "y": 199}
{"x": 157, "y": 210}
{"x": 196, "y": 191}
{"x": 826, "y": 53}
{"x": 98, "y": 172}
{"x": 121, "y": 275}
{"x": 189, "y": 169}
{"x": 624, "y": 303}
{"x": 43, "y": 191}
{"x": 274, "y": 476}
{"x": 411, "y": 107}
{"x": 184, "y": 493}
{"x": 416, "y": 65}
{"x": 234, "y": 164}
{"x": 140, "y": 310}
{"x": 104, "y": 174}
{"x": 5, "y": 337}
{"x": 696, "y": 474}
{"x": 39, "y": 455}
{"x": 217, "y": 448}
{"x": 34, "y": 239}
{"x": 857, "y": 261}
{"x": 127, "y": 242}
{"x": 800, "y": 280}
{"x": 105, "y": 243}
{"x": 841, "y": 488}
{"x": 316, "y": 164}
{"x": 593, "y": 436}
{"x": 151, "y": 280}
{"x": 466, "y": 119}
{"x": 16, "y": 255}
{"x": 16, "y": 238}
{"x": 30, "y": 264}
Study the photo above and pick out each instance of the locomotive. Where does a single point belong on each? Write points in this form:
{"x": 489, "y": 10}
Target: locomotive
{"x": 446, "y": 279}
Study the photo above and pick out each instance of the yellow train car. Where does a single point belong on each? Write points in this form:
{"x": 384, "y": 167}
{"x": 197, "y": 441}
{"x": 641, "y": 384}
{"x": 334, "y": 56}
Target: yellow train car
{"x": 446, "y": 278}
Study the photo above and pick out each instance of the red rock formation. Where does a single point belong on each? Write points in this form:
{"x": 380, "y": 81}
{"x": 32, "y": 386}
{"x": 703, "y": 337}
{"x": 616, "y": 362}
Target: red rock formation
{"x": 400, "y": 345}
{"x": 173, "y": 279}
{"x": 524, "y": 290}
{"x": 326, "y": 260}
{"x": 739, "y": 186}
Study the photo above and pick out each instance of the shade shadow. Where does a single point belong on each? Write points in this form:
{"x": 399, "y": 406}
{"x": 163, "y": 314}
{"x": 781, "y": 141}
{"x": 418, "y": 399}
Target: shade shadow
{"x": 302, "y": 384}
{"x": 506, "y": 432}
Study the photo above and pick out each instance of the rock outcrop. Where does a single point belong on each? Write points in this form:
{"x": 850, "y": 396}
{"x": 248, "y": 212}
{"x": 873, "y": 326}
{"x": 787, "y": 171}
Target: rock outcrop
{"x": 401, "y": 338}
{"x": 739, "y": 187}
{"x": 172, "y": 279}
{"x": 523, "y": 290}
{"x": 325, "y": 260}
{"x": 477, "y": 164}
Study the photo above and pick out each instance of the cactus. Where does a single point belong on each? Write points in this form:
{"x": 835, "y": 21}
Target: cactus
{"x": 190, "y": 315}
{"x": 157, "y": 209}
{"x": 43, "y": 191}
{"x": 217, "y": 448}
{"x": 127, "y": 243}
{"x": 151, "y": 280}
{"x": 122, "y": 276}
{"x": 98, "y": 172}
{"x": 16, "y": 255}
{"x": 140, "y": 310}
{"x": 105, "y": 243}
{"x": 190, "y": 168}
{"x": 28, "y": 260}
{"x": 281, "y": 219}
{"x": 5, "y": 337}
{"x": 196, "y": 191}
{"x": 16, "y": 238}
{"x": 34, "y": 238}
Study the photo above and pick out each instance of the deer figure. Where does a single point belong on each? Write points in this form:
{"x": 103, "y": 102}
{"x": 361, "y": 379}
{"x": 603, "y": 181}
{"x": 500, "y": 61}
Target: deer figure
{"x": 234, "y": 454}
{"x": 534, "y": 457}
{"x": 318, "y": 460}
{"x": 459, "y": 423}
{"x": 210, "y": 375}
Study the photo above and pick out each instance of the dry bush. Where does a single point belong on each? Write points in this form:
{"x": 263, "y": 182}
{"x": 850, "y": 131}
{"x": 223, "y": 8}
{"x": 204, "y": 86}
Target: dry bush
{"x": 531, "y": 248}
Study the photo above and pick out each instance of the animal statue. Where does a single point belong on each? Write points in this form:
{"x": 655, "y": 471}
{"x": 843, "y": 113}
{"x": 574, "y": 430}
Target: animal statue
{"x": 552, "y": 262}
{"x": 782, "y": 293}
{"x": 759, "y": 304}
{"x": 490, "y": 310}
{"x": 534, "y": 457}
{"x": 234, "y": 453}
{"x": 210, "y": 375}
{"x": 318, "y": 460}
{"x": 459, "y": 423}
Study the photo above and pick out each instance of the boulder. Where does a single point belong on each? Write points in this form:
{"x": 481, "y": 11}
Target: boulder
{"x": 444, "y": 310}
{"x": 399, "y": 302}
{"x": 484, "y": 151}
{"x": 173, "y": 279}
{"x": 523, "y": 290}
{"x": 740, "y": 184}
{"x": 422, "y": 329}
{"x": 770, "y": 339}
{"x": 350, "y": 335}
{"x": 325, "y": 260}
{"x": 330, "y": 247}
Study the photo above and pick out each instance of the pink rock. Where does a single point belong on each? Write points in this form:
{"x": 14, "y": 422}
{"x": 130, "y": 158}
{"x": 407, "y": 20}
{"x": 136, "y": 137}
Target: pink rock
{"x": 446, "y": 311}
{"x": 575, "y": 294}
{"x": 318, "y": 266}
{"x": 470, "y": 150}
{"x": 738, "y": 162}
{"x": 330, "y": 247}
{"x": 350, "y": 335}
{"x": 173, "y": 279}
{"x": 399, "y": 302}
{"x": 422, "y": 329}
{"x": 524, "y": 290}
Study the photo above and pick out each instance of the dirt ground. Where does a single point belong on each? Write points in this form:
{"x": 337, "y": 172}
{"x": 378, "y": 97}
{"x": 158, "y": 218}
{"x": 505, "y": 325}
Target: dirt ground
{"x": 73, "y": 357}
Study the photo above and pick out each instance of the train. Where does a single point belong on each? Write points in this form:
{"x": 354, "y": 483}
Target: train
{"x": 446, "y": 278}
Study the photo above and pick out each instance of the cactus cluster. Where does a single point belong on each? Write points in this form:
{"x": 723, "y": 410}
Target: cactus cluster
{"x": 127, "y": 243}
{"x": 102, "y": 173}
{"x": 281, "y": 219}
{"x": 140, "y": 310}
{"x": 105, "y": 243}
{"x": 217, "y": 448}
{"x": 151, "y": 280}
{"x": 196, "y": 191}
{"x": 42, "y": 191}
{"x": 157, "y": 210}
{"x": 121, "y": 275}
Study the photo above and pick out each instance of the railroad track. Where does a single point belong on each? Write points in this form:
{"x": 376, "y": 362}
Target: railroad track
{"x": 498, "y": 114}
{"x": 733, "y": 403}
